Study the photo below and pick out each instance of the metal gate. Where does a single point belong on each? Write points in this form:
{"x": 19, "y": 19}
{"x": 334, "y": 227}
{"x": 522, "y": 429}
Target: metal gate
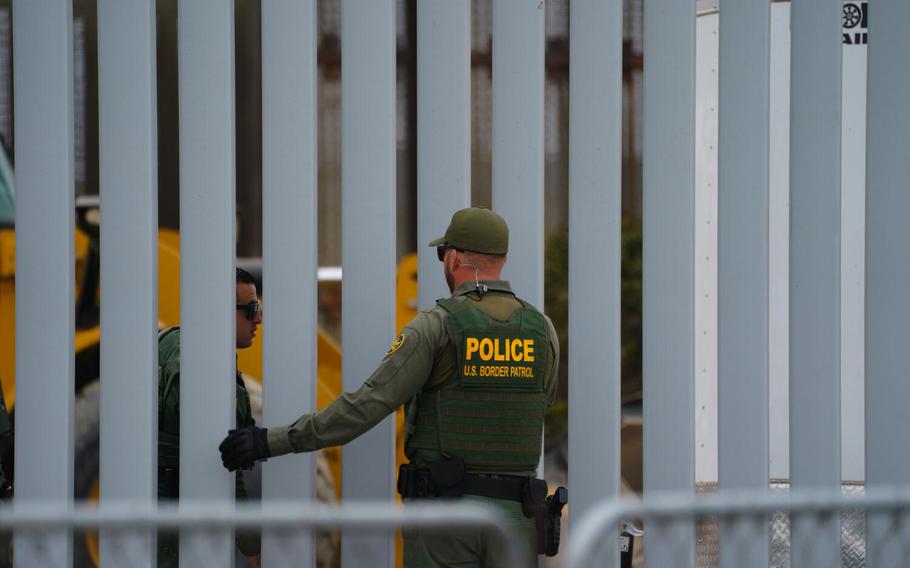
{"x": 43, "y": 68}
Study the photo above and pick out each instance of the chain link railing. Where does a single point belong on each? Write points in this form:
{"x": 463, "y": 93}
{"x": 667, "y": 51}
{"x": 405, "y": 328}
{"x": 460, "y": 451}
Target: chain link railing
{"x": 755, "y": 515}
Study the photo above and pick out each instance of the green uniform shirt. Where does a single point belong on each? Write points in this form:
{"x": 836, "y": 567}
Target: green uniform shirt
{"x": 422, "y": 358}
{"x": 169, "y": 431}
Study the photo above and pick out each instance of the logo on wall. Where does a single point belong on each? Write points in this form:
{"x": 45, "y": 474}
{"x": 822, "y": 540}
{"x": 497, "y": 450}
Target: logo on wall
{"x": 856, "y": 21}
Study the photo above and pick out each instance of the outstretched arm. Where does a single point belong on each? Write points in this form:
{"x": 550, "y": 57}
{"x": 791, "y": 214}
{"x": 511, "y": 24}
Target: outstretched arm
{"x": 400, "y": 375}
{"x": 395, "y": 381}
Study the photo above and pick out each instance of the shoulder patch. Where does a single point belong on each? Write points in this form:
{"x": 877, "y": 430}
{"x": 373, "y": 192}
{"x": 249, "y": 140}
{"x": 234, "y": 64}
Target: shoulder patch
{"x": 396, "y": 345}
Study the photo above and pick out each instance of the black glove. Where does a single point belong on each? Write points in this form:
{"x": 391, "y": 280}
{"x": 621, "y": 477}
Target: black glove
{"x": 243, "y": 447}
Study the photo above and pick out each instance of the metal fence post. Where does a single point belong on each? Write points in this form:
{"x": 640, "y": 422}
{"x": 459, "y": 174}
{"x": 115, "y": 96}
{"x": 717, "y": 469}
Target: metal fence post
{"x": 368, "y": 248}
{"x": 43, "y": 88}
{"x": 668, "y": 287}
{"x": 289, "y": 154}
{"x": 207, "y": 292}
{"x": 129, "y": 267}
{"x": 518, "y": 128}
{"x": 744, "y": 93}
{"x": 595, "y": 227}
{"x": 815, "y": 144}
{"x": 443, "y": 130}
{"x": 887, "y": 268}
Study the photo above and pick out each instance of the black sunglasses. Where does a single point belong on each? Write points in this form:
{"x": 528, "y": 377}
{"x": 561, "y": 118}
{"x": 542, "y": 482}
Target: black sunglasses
{"x": 250, "y": 310}
{"x": 441, "y": 251}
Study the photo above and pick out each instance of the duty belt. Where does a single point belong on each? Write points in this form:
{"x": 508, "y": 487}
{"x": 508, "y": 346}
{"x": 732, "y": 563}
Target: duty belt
{"x": 448, "y": 479}
{"x": 414, "y": 483}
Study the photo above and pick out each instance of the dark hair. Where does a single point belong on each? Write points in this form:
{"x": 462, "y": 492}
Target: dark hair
{"x": 244, "y": 277}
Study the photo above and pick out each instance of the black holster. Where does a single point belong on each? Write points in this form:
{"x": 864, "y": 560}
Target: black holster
{"x": 443, "y": 479}
{"x": 549, "y": 521}
{"x": 447, "y": 479}
{"x": 168, "y": 482}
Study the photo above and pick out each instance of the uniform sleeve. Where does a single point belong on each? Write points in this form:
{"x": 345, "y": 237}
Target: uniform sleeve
{"x": 553, "y": 365}
{"x": 400, "y": 375}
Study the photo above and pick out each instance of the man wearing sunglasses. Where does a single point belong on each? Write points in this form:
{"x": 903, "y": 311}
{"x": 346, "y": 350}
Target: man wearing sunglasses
{"x": 477, "y": 374}
{"x": 248, "y": 318}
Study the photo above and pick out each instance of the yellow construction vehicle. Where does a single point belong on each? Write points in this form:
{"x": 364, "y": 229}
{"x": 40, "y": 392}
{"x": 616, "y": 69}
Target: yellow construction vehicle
{"x": 88, "y": 337}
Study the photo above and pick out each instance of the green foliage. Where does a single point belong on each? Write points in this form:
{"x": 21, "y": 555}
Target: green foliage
{"x": 631, "y": 309}
{"x": 556, "y": 277}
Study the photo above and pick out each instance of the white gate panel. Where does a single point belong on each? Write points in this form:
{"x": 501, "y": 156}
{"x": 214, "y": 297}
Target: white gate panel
{"x": 853, "y": 255}
{"x": 706, "y": 117}
{"x": 779, "y": 247}
{"x": 852, "y": 246}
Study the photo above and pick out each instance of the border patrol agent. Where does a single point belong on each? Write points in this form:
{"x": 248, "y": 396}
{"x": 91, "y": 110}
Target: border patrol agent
{"x": 248, "y": 318}
{"x": 477, "y": 374}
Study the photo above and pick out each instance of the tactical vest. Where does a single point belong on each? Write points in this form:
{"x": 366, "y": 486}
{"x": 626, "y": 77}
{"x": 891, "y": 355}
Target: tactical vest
{"x": 491, "y": 412}
{"x": 168, "y": 429}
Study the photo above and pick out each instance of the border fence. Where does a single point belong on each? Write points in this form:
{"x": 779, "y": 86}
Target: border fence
{"x": 43, "y": 119}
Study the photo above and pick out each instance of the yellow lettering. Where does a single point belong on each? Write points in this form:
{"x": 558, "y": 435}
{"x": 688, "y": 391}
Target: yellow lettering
{"x": 471, "y": 347}
{"x": 529, "y": 350}
{"x": 516, "y": 355}
{"x": 486, "y": 349}
{"x": 498, "y": 371}
{"x": 497, "y": 356}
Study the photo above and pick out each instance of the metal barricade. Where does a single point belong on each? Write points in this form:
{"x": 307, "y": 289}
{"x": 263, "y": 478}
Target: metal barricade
{"x": 133, "y": 525}
{"x": 750, "y": 515}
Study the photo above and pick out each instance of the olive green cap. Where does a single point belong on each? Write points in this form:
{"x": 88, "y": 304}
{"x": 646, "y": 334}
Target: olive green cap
{"x": 476, "y": 229}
